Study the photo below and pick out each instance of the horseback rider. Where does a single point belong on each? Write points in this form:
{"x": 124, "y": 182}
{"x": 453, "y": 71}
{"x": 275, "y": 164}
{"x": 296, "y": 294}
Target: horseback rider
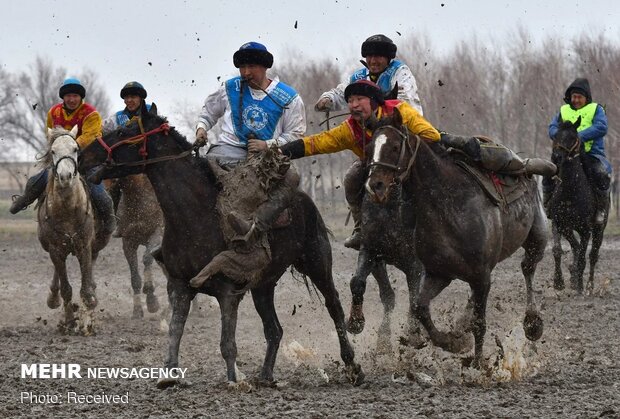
{"x": 367, "y": 105}
{"x": 591, "y": 131}
{"x": 73, "y": 110}
{"x": 133, "y": 94}
{"x": 388, "y": 73}
{"x": 256, "y": 112}
{"x": 380, "y": 67}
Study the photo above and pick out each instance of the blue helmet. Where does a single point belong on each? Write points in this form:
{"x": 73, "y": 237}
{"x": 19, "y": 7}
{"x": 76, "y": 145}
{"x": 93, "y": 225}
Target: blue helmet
{"x": 253, "y": 53}
{"x": 72, "y": 85}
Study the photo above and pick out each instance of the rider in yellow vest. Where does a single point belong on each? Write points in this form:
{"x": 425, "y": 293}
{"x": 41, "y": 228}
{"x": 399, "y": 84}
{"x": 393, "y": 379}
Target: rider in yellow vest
{"x": 73, "y": 110}
{"x": 592, "y": 131}
{"x": 366, "y": 103}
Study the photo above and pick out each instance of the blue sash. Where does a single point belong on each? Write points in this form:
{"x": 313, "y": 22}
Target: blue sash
{"x": 257, "y": 117}
{"x": 122, "y": 117}
{"x": 385, "y": 79}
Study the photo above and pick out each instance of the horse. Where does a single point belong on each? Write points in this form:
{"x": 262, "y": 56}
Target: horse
{"x": 385, "y": 239}
{"x": 140, "y": 223}
{"x": 571, "y": 209}
{"x": 459, "y": 232}
{"x": 187, "y": 191}
{"x": 67, "y": 225}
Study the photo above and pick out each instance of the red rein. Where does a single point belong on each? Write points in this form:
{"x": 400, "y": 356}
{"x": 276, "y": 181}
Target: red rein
{"x": 134, "y": 140}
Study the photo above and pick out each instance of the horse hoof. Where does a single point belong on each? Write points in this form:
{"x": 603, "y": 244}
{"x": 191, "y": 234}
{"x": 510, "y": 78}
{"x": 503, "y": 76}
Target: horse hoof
{"x": 241, "y": 386}
{"x": 90, "y": 301}
{"x": 138, "y": 313}
{"x": 533, "y": 326}
{"x": 53, "y": 300}
{"x": 355, "y": 326}
{"x": 355, "y": 375}
{"x": 164, "y": 383}
{"x": 152, "y": 303}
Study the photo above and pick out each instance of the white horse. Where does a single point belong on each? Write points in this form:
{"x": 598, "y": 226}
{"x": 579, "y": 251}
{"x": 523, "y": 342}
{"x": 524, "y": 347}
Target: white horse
{"x": 67, "y": 225}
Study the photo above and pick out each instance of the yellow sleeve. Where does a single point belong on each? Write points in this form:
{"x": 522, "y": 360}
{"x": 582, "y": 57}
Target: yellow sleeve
{"x": 49, "y": 120}
{"x": 417, "y": 124}
{"x": 91, "y": 129}
{"x": 336, "y": 139}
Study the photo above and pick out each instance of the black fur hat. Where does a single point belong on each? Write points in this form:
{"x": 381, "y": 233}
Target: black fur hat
{"x": 133, "y": 88}
{"x": 379, "y": 45}
{"x": 364, "y": 88}
{"x": 253, "y": 53}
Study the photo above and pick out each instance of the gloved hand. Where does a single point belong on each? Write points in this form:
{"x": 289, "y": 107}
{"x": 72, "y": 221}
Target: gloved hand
{"x": 201, "y": 138}
{"x": 324, "y": 104}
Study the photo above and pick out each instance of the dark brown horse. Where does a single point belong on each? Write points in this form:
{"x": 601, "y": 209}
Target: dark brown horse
{"x": 140, "y": 223}
{"x": 571, "y": 210}
{"x": 386, "y": 239}
{"x": 187, "y": 192}
{"x": 459, "y": 232}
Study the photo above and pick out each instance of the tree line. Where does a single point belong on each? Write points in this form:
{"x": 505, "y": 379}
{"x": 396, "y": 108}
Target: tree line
{"x": 508, "y": 91}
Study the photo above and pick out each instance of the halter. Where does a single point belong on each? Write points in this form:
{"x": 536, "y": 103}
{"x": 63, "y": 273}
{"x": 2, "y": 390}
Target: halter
{"x": 405, "y": 144}
{"x": 571, "y": 151}
{"x": 75, "y": 164}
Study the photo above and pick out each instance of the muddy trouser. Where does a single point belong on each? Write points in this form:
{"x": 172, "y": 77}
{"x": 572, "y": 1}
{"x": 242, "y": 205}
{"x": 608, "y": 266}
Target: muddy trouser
{"x": 548, "y": 183}
{"x": 115, "y": 193}
{"x": 354, "y": 187}
{"x": 35, "y": 187}
{"x": 280, "y": 197}
{"x": 596, "y": 174}
{"x": 102, "y": 202}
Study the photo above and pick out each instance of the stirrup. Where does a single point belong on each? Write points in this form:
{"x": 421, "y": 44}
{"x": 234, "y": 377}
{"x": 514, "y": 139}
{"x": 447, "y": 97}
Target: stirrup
{"x": 354, "y": 241}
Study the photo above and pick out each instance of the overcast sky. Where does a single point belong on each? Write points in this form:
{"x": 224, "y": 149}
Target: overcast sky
{"x": 190, "y": 43}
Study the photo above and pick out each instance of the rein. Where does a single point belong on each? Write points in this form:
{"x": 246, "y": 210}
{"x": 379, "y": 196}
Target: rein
{"x": 571, "y": 151}
{"x": 165, "y": 128}
{"x": 143, "y": 137}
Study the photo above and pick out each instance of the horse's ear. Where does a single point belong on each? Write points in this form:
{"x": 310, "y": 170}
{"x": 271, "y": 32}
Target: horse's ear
{"x": 397, "y": 118}
{"x": 393, "y": 93}
{"x": 577, "y": 122}
{"x": 153, "y": 110}
{"x": 74, "y": 131}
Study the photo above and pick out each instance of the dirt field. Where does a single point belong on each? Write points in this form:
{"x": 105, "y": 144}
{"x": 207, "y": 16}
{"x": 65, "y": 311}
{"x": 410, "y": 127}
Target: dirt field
{"x": 572, "y": 372}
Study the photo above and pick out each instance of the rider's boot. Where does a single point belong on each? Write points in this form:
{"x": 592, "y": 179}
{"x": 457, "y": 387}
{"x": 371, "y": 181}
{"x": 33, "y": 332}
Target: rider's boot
{"x": 469, "y": 145}
{"x": 355, "y": 241}
{"x": 104, "y": 207}
{"x": 34, "y": 188}
{"x": 601, "y": 205}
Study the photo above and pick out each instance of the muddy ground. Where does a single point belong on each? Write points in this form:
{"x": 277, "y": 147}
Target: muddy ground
{"x": 572, "y": 372}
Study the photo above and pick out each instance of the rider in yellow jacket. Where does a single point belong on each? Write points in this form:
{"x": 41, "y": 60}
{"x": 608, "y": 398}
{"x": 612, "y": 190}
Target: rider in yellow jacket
{"x": 366, "y": 104}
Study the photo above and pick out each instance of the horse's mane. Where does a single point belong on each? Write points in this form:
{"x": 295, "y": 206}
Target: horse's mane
{"x": 45, "y": 159}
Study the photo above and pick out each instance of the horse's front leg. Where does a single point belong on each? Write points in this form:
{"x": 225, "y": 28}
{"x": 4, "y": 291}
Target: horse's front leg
{"x": 87, "y": 290}
{"x": 356, "y": 321}
{"x": 53, "y": 298}
{"x": 148, "y": 288}
{"x": 388, "y": 299}
{"x": 580, "y": 265}
{"x": 414, "y": 337}
{"x": 130, "y": 250}
{"x": 558, "y": 281}
{"x": 180, "y": 297}
{"x": 534, "y": 251}
{"x": 597, "y": 241}
{"x": 60, "y": 270}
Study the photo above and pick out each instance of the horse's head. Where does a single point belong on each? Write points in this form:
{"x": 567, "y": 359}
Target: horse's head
{"x": 129, "y": 149}
{"x": 566, "y": 143}
{"x": 389, "y": 152}
{"x": 63, "y": 154}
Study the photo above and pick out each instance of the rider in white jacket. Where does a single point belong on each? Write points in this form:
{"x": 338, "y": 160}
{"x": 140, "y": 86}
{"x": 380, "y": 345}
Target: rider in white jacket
{"x": 380, "y": 67}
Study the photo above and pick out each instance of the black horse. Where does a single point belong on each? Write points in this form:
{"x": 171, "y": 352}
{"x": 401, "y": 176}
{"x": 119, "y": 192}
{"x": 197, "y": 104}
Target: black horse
{"x": 186, "y": 190}
{"x": 459, "y": 232}
{"x": 572, "y": 208}
{"x": 385, "y": 239}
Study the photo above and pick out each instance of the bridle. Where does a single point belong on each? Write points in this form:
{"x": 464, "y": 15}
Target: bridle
{"x": 137, "y": 139}
{"x": 74, "y": 161}
{"x": 572, "y": 150}
{"x": 405, "y": 145}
